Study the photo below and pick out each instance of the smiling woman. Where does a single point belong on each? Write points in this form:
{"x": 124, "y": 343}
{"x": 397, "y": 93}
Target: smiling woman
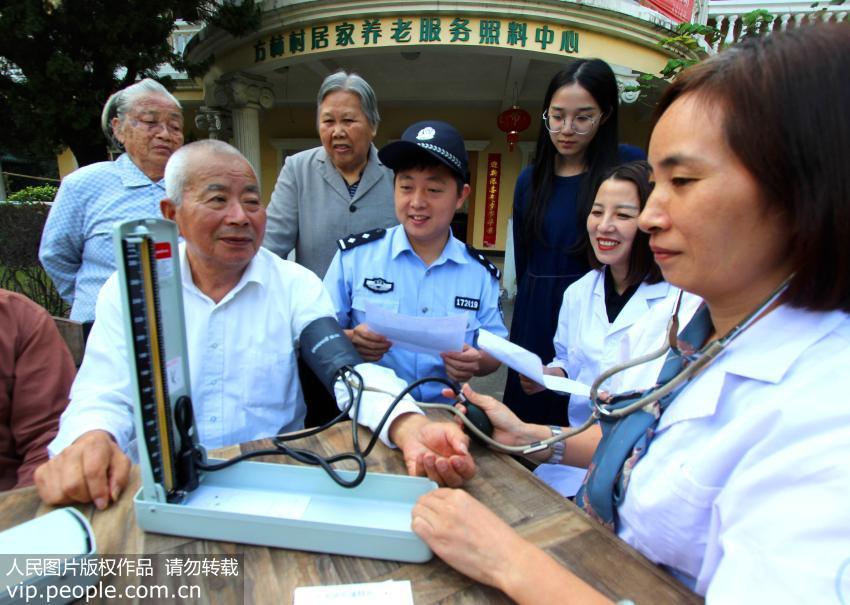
{"x": 598, "y": 309}
{"x": 340, "y": 188}
{"x": 146, "y": 122}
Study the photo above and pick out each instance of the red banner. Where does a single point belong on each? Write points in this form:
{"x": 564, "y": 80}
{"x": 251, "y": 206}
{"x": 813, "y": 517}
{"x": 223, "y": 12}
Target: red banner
{"x": 677, "y": 10}
{"x": 491, "y": 211}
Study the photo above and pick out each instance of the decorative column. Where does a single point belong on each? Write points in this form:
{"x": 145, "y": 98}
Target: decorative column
{"x": 244, "y": 95}
{"x": 730, "y": 33}
{"x": 719, "y": 20}
{"x": 215, "y": 120}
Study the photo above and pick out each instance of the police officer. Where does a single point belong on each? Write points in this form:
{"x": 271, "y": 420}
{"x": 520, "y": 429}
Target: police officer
{"x": 419, "y": 268}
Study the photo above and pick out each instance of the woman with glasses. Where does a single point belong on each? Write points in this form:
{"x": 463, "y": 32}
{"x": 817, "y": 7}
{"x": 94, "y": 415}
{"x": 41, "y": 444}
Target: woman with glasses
{"x": 145, "y": 122}
{"x": 736, "y": 481}
{"x": 576, "y": 145}
{"x": 598, "y": 309}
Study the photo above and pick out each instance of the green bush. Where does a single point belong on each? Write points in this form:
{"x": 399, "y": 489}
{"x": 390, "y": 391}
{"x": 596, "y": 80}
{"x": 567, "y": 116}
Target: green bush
{"x": 20, "y": 235}
{"x": 40, "y": 193}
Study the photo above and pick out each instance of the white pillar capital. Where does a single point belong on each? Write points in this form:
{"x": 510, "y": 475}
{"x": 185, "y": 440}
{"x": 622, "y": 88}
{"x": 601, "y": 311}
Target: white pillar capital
{"x": 243, "y": 90}
{"x": 244, "y": 95}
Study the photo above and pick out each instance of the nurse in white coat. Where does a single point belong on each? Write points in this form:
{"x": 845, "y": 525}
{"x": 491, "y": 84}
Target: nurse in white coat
{"x": 597, "y": 310}
{"x": 738, "y": 481}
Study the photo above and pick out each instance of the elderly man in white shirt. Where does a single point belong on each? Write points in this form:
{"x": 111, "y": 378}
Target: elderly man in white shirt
{"x": 245, "y": 309}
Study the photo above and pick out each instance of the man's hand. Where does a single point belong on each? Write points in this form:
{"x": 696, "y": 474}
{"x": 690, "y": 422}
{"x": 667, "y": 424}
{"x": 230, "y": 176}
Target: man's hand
{"x": 92, "y": 469}
{"x": 370, "y": 345}
{"x": 530, "y": 387}
{"x": 439, "y": 450}
{"x": 463, "y": 365}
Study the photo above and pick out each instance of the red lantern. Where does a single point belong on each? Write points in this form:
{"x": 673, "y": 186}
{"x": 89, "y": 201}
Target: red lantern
{"x": 513, "y": 121}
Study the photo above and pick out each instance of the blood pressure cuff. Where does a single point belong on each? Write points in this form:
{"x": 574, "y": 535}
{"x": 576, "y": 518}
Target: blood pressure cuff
{"x": 326, "y": 349}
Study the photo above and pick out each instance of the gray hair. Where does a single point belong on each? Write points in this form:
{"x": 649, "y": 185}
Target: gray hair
{"x": 343, "y": 81}
{"x": 176, "y": 170}
{"x": 121, "y": 102}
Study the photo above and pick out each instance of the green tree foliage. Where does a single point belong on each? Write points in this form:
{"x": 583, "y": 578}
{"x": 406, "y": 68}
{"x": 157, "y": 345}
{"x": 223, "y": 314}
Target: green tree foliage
{"x": 36, "y": 193}
{"x": 61, "y": 59}
{"x": 691, "y": 40}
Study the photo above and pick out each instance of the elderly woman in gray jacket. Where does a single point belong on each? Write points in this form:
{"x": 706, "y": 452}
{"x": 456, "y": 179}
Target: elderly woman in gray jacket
{"x": 340, "y": 188}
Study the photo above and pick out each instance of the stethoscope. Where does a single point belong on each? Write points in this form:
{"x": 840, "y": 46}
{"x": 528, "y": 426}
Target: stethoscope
{"x": 698, "y": 362}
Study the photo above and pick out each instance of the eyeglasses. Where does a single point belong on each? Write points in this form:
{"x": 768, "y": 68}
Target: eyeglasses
{"x": 581, "y": 124}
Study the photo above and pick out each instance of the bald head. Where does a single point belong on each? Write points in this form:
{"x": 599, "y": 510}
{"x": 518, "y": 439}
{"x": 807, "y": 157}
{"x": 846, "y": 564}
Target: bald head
{"x": 180, "y": 166}
{"x": 215, "y": 200}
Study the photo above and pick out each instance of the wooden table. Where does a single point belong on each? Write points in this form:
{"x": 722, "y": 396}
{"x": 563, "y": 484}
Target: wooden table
{"x": 271, "y": 575}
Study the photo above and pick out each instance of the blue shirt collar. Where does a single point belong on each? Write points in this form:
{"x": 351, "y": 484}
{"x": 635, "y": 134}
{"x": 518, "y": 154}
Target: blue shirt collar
{"x": 453, "y": 250}
{"x": 132, "y": 176}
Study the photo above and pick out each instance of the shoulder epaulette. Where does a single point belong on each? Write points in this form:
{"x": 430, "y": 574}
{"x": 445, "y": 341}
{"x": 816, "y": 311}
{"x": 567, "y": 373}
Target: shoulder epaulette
{"x": 358, "y": 239}
{"x": 479, "y": 256}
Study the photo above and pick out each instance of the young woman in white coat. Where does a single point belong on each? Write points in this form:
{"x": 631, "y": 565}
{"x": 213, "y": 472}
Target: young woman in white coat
{"x": 597, "y": 309}
{"x": 736, "y": 480}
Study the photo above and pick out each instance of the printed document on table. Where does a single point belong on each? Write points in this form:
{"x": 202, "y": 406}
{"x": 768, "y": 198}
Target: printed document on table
{"x": 374, "y": 593}
{"x": 418, "y": 334}
{"x": 528, "y": 364}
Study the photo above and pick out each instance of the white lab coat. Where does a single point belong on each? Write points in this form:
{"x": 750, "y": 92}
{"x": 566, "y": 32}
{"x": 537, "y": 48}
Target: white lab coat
{"x": 744, "y": 489}
{"x": 587, "y": 344}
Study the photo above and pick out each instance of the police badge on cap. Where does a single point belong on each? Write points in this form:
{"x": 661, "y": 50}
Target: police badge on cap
{"x": 438, "y": 139}
{"x": 426, "y": 134}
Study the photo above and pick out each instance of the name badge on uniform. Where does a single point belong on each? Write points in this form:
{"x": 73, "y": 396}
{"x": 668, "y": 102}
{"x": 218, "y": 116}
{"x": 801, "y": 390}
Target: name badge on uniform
{"x": 379, "y": 285}
{"x": 470, "y": 304}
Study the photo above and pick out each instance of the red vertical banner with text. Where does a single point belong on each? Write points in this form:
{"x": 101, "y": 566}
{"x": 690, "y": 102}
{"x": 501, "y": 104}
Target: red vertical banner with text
{"x": 491, "y": 211}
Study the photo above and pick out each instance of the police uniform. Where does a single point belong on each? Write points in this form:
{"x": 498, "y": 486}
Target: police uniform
{"x": 380, "y": 267}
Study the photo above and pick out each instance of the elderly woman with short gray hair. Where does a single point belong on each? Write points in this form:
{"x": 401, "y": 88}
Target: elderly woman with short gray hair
{"x": 145, "y": 122}
{"x": 340, "y": 188}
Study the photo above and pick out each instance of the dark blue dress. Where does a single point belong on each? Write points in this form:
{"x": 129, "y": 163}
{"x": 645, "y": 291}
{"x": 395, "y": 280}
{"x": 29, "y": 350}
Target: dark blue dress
{"x": 543, "y": 274}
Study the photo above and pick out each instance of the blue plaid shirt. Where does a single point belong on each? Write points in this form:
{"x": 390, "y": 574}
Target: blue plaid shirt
{"x": 76, "y": 246}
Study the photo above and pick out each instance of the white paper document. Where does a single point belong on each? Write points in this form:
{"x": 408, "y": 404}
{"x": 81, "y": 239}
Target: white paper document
{"x": 418, "y": 334}
{"x": 374, "y": 593}
{"x": 528, "y": 364}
